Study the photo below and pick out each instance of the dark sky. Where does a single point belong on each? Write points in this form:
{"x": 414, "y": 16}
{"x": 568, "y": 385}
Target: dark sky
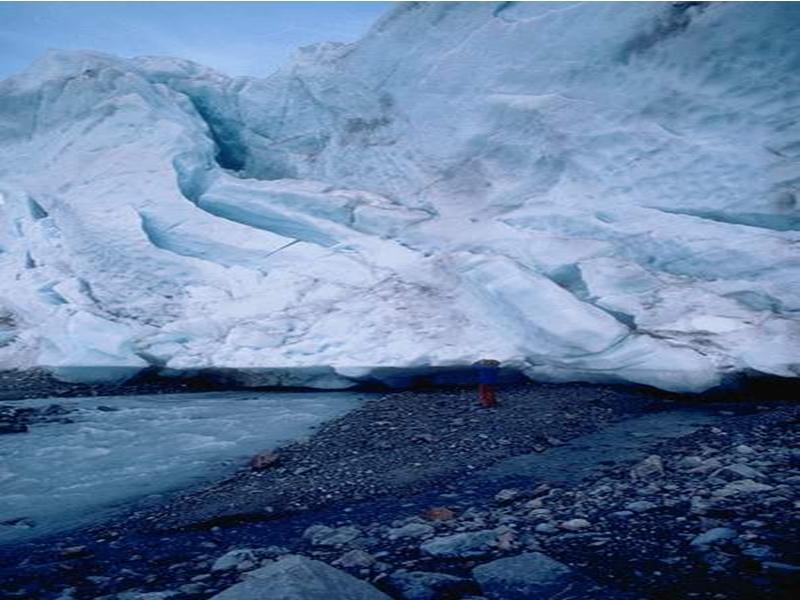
{"x": 237, "y": 38}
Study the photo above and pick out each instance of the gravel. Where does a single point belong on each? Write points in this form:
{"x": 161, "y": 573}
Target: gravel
{"x": 685, "y": 519}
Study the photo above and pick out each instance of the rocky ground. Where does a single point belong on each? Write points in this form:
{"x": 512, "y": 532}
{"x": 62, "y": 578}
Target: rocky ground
{"x": 399, "y": 499}
{"x": 38, "y": 383}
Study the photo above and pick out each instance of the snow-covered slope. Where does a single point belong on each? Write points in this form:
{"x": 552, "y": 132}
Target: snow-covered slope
{"x": 602, "y": 191}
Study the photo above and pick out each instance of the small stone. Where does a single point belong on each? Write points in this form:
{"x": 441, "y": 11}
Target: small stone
{"x": 264, "y": 460}
{"x": 322, "y": 535}
{"x": 412, "y": 530}
{"x": 743, "y": 486}
{"x": 621, "y": 515}
{"x": 356, "y": 558}
{"x": 440, "y": 513}
{"x": 545, "y": 528}
{"x": 713, "y": 536}
{"x": 421, "y": 585}
{"x": 651, "y": 466}
{"x": 779, "y": 567}
{"x": 468, "y": 544}
{"x": 753, "y": 524}
{"x": 738, "y": 471}
{"x": 240, "y": 559}
{"x": 506, "y": 496}
{"x": 641, "y": 506}
{"x": 576, "y": 524}
{"x": 76, "y": 552}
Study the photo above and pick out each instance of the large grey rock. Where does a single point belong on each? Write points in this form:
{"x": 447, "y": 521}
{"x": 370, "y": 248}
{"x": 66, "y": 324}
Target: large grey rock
{"x": 532, "y": 576}
{"x": 299, "y": 578}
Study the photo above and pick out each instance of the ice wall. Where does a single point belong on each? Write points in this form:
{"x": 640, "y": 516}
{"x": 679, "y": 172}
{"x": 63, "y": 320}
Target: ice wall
{"x": 593, "y": 191}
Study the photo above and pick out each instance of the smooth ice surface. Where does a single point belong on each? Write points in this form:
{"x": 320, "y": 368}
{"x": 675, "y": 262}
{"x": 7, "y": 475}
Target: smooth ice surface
{"x": 61, "y": 475}
{"x": 585, "y": 191}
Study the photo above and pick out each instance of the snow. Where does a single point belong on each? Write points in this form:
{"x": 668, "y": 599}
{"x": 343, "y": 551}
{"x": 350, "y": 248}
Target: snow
{"x": 63, "y": 475}
{"x": 586, "y": 191}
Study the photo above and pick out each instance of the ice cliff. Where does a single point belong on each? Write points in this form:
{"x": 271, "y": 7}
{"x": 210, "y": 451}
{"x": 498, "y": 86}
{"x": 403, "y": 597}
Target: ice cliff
{"x": 585, "y": 191}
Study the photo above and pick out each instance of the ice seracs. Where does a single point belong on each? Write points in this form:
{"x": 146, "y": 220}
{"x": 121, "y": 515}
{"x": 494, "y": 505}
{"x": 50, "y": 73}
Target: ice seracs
{"x": 584, "y": 191}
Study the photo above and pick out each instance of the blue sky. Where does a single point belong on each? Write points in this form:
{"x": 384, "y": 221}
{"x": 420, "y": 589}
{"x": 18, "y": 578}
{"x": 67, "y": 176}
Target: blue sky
{"x": 237, "y": 38}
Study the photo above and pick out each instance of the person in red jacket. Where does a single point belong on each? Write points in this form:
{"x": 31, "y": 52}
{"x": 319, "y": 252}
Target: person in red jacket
{"x": 488, "y": 371}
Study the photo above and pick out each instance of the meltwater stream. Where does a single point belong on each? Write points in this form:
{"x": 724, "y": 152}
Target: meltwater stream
{"x": 135, "y": 448}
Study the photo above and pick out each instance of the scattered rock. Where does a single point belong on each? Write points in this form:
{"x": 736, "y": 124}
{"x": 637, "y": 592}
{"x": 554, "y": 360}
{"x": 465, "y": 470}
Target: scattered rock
{"x": 738, "y": 471}
{"x": 640, "y": 506}
{"x": 440, "y": 513}
{"x": 298, "y": 578}
{"x": 649, "y": 467}
{"x": 576, "y": 524}
{"x": 780, "y": 567}
{"x": 412, "y": 530}
{"x": 76, "y": 552}
{"x": 420, "y": 585}
{"x": 241, "y": 560}
{"x": 743, "y": 486}
{"x": 469, "y": 544}
{"x": 713, "y": 536}
{"x": 322, "y": 535}
{"x": 356, "y": 559}
{"x": 530, "y": 576}
{"x": 264, "y": 460}
{"x": 507, "y": 496}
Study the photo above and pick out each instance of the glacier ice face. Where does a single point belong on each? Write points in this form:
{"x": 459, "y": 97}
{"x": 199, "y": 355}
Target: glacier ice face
{"x": 585, "y": 191}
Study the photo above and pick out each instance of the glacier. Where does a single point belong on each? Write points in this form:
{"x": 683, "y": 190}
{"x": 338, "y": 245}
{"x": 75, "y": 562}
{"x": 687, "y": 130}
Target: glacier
{"x": 584, "y": 191}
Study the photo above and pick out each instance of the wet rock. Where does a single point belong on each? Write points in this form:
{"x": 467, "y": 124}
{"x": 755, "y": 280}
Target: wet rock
{"x": 469, "y": 544}
{"x": 530, "y": 576}
{"x": 298, "y": 578}
{"x": 421, "y": 585}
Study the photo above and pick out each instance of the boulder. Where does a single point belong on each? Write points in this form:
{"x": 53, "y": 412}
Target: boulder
{"x": 298, "y": 578}
{"x": 531, "y": 576}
